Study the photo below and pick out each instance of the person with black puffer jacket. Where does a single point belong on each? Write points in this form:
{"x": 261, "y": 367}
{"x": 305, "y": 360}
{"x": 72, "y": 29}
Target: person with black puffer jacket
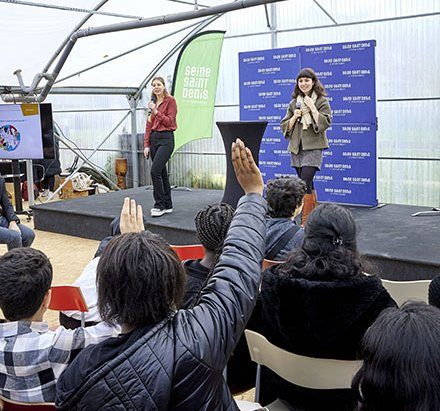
{"x": 168, "y": 359}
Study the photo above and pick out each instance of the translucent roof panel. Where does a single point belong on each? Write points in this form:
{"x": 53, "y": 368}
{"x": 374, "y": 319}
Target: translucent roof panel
{"x": 37, "y": 32}
{"x": 32, "y": 34}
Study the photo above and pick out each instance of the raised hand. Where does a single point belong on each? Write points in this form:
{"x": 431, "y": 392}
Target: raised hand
{"x": 246, "y": 171}
{"x": 131, "y": 217}
{"x": 309, "y": 103}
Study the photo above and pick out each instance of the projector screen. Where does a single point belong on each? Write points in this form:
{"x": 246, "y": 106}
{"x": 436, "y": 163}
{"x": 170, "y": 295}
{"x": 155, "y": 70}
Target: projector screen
{"x": 26, "y": 131}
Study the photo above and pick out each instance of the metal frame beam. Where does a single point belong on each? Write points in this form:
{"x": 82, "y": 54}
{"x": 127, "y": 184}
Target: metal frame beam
{"x": 325, "y": 11}
{"x": 189, "y": 3}
{"x": 127, "y": 52}
{"x": 326, "y": 26}
{"x": 149, "y": 22}
{"x": 71, "y": 9}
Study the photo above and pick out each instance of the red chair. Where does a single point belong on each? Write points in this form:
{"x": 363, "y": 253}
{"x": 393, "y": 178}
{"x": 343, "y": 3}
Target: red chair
{"x": 270, "y": 263}
{"x": 68, "y": 298}
{"x": 10, "y": 405}
{"x": 189, "y": 252}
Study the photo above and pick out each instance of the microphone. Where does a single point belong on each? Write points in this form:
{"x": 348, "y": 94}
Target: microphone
{"x": 298, "y": 106}
{"x": 153, "y": 100}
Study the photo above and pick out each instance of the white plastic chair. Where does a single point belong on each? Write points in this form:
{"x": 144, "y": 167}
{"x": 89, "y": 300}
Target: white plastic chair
{"x": 315, "y": 373}
{"x": 402, "y": 291}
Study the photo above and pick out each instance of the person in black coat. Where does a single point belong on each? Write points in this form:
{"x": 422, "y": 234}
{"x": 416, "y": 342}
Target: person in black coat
{"x": 401, "y": 361}
{"x": 212, "y": 225}
{"x": 12, "y": 233}
{"x": 168, "y": 359}
{"x": 319, "y": 304}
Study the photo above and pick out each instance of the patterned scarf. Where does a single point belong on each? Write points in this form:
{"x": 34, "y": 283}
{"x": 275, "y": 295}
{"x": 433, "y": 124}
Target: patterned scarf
{"x": 306, "y": 118}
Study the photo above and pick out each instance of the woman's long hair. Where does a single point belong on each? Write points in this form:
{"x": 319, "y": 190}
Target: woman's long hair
{"x": 162, "y": 80}
{"x": 329, "y": 249}
{"x": 318, "y": 88}
{"x": 401, "y": 361}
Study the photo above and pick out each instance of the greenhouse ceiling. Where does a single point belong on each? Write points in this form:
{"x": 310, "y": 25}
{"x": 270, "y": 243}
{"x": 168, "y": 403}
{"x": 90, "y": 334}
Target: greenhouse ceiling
{"x": 33, "y": 32}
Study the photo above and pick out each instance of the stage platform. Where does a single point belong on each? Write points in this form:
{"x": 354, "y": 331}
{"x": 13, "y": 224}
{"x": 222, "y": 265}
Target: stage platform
{"x": 401, "y": 247}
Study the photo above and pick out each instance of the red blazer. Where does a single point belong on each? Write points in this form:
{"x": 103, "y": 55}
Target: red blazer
{"x": 164, "y": 120}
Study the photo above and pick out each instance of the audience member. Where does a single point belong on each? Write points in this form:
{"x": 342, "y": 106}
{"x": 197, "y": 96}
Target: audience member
{"x": 32, "y": 357}
{"x": 12, "y": 233}
{"x": 434, "y": 292}
{"x": 401, "y": 361}
{"x": 212, "y": 224}
{"x": 319, "y": 304}
{"x": 285, "y": 201}
{"x": 168, "y": 359}
{"x": 87, "y": 282}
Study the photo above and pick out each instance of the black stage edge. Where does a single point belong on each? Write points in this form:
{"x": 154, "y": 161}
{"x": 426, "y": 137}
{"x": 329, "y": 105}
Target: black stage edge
{"x": 401, "y": 247}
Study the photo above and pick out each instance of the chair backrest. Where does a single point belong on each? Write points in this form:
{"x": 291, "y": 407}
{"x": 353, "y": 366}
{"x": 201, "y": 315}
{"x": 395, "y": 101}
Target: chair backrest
{"x": 402, "y": 291}
{"x": 189, "y": 252}
{"x": 315, "y": 373}
{"x": 10, "y": 405}
{"x": 270, "y": 263}
{"x": 67, "y": 298}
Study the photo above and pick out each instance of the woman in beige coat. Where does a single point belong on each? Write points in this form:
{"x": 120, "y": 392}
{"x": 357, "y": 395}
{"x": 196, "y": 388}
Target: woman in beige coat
{"x": 304, "y": 125}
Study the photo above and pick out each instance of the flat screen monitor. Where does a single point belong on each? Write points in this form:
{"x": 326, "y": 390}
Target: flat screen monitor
{"x": 26, "y": 131}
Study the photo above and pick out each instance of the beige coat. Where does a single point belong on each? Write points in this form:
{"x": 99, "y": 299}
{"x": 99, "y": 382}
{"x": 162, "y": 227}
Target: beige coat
{"x": 314, "y": 137}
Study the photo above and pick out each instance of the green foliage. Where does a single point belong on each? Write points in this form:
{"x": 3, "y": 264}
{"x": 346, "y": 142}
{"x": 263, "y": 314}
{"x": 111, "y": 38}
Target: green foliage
{"x": 204, "y": 180}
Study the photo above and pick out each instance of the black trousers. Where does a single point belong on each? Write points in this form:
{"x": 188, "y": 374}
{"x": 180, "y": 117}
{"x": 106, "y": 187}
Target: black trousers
{"x": 161, "y": 148}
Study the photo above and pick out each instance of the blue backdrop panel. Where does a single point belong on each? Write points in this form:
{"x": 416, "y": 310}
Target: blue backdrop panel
{"x": 347, "y": 72}
{"x": 348, "y": 173}
{"x": 266, "y": 83}
{"x": 267, "y": 80}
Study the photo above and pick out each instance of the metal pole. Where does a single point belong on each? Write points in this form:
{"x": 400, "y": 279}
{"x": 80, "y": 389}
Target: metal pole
{"x": 149, "y": 22}
{"x": 126, "y": 52}
{"x": 172, "y": 18}
{"x": 30, "y": 182}
{"x": 273, "y": 26}
{"x": 134, "y": 141}
{"x": 39, "y": 76}
{"x": 71, "y": 9}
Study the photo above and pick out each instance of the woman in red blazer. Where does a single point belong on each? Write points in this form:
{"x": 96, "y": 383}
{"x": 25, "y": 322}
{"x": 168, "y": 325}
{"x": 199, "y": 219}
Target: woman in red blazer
{"x": 159, "y": 143}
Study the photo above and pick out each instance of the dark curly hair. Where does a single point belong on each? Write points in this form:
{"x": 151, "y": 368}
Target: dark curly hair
{"x": 401, "y": 360}
{"x": 284, "y": 195}
{"x": 139, "y": 279}
{"x": 329, "y": 248}
{"x": 25, "y": 278}
{"x": 318, "y": 88}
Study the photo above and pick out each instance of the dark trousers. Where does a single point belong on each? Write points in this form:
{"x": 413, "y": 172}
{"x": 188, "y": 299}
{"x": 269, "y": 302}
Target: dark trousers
{"x": 307, "y": 173}
{"x": 161, "y": 148}
{"x": 71, "y": 324}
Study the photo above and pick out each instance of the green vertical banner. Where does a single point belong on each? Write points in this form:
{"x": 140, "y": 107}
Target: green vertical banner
{"x": 195, "y": 86}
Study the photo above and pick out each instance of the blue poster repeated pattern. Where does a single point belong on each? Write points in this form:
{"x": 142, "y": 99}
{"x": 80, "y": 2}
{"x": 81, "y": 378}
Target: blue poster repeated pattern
{"x": 267, "y": 80}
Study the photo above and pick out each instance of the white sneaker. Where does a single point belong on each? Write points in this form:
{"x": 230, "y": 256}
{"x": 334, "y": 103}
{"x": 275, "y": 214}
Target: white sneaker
{"x": 154, "y": 209}
{"x": 157, "y": 213}
{"x": 168, "y": 210}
